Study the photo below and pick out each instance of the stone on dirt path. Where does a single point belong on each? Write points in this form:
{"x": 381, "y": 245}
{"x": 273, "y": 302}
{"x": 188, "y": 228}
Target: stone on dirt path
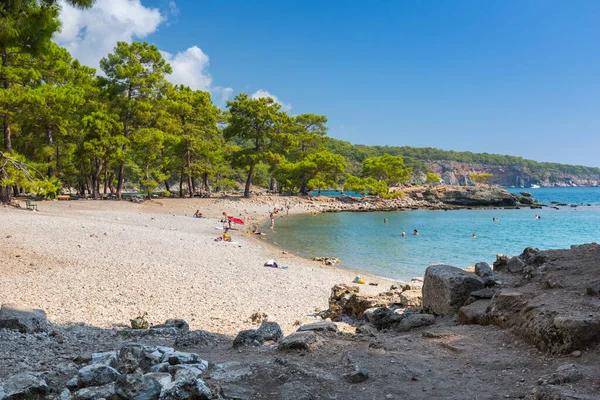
{"x": 23, "y": 319}
{"x": 447, "y": 288}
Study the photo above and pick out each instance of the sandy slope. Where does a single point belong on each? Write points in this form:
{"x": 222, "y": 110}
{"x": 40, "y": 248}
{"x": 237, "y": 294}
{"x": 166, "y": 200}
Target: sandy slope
{"x": 103, "y": 262}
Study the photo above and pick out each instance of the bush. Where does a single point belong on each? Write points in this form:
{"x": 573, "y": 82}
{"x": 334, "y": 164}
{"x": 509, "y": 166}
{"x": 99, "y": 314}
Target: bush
{"x": 226, "y": 185}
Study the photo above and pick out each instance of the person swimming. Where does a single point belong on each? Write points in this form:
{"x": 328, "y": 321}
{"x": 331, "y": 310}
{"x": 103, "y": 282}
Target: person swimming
{"x": 403, "y": 234}
{"x": 473, "y": 236}
{"x": 385, "y": 220}
{"x": 415, "y": 232}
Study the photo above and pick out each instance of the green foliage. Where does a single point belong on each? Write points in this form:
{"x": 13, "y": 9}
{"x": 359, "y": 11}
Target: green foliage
{"x": 480, "y": 177}
{"x": 386, "y": 168}
{"x": 226, "y": 185}
{"x": 432, "y": 178}
{"x": 315, "y": 171}
{"x": 259, "y": 127}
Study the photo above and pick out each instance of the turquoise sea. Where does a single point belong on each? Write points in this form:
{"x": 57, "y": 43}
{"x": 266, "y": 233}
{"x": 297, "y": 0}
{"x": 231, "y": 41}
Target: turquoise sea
{"x": 365, "y": 243}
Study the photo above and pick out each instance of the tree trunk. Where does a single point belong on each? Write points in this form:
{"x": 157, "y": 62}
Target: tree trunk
{"x": 50, "y": 158}
{"x": 205, "y": 182}
{"x": 6, "y": 118}
{"x": 188, "y": 165}
{"x": 167, "y": 187}
{"x": 181, "y": 184}
{"x": 273, "y": 185}
{"x": 5, "y": 195}
{"x": 120, "y": 179}
{"x": 249, "y": 181}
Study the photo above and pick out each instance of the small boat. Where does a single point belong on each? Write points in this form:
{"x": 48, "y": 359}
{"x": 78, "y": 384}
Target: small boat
{"x": 535, "y": 186}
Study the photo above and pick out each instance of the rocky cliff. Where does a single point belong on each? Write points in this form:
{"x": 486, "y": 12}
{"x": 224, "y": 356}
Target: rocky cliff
{"x": 458, "y": 173}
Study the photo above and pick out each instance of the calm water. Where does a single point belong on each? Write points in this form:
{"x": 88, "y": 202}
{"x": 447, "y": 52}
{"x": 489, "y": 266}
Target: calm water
{"x": 363, "y": 242}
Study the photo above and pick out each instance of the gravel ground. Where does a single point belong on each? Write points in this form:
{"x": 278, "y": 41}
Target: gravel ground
{"x": 102, "y": 263}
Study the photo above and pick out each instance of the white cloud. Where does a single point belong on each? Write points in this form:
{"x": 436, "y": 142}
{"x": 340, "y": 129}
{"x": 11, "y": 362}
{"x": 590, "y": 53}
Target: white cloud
{"x": 261, "y": 93}
{"x": 173, "y": 10}
{"x": 92, "y": 34}
{"x": 190, "y": 68}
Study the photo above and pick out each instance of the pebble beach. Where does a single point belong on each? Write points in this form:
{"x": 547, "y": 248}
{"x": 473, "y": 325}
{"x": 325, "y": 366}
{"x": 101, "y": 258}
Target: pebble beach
{"x": 102, "y": 263}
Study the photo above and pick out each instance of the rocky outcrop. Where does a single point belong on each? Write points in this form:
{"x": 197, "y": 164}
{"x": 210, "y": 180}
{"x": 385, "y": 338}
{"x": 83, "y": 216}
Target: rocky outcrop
{"x": 475, "y": 196}
{"x": 544, "y": 298}
{"x": 447, "y": 288}
{"x": 459, "y": 173}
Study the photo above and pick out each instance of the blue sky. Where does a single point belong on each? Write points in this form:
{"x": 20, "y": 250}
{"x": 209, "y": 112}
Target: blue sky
{"x": 509, "y": 77}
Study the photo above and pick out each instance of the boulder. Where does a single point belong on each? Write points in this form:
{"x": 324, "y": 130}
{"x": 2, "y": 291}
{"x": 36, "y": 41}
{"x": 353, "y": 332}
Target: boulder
{"x": 64, "y": 395}
{"x": 193, "y": 339}
{"x": 106, "y": 392}
{"x": 186, "y": 389}
{"x": 134, "y": 356}
{"x": 300, "y": 341}
{"x": 375, "y": 315}
{"x": 109, "y": 358}
{"x": 162, "y": 367}
{"x": 411, "y": 298}
{"x": 319, "y": 326}
{"x": 360, "y": 375}
{"x": 180, "y": 357}
{"x": 501, "y": 261}
{"x": 484, "y": 271}
{"x": 270, "y": 331}
{"x": 474, "y": 313}
{"x": 346, "y": 300}
{"x": 250, "y": 337}
{"x": 486, "y": 293}
{"x": 187, "y": 373}
{"x": 230, "y": 371}
{"x": 566, "y": 373}
{"x": 515, "y": 265}
{"x": 137, "y": 387}
{"x": 235, "y": 392}
{"x": 23, "y": 386}
{"x": 162, "y": 378}
{"x": 447, "y": 288}
{"x": 178, "y": 326}
{"x": 202, "y": 366}
{"x": 593, "y": 289}
{"x": 410, "y": 321}
{"x": 96, "y": 375}
{"x": 25, "y": 320}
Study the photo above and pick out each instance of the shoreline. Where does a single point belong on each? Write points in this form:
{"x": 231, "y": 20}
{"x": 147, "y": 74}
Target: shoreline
{"x": 104, "y": 263}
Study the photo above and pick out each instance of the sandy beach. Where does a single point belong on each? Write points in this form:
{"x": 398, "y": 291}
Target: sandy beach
{"x": 104, "y": 262}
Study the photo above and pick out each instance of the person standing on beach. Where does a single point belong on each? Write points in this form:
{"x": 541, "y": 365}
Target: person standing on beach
{"x": 227, "y": 218}
{"x": 272, "y": 217}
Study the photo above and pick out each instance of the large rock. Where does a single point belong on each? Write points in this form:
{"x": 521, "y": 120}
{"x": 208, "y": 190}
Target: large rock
{"x": 172, "y": 326}
{"x": 134, "y": 356}
{"x": 193, "y": 339}
{"x": 411, "y": 298}
{"x": 411, "y": 321}
{"x": 484, "y": 271}
{"x": 474, "y": 313}
{"x": 270, "y": 331}
{"x": 106, "y": 392}
{"x": 96, "y": 375}
{"x": 300, "y": 341}
{"x": 25, "y": 320}
{"x": 109, "y": 358}
{"x": 473, "y": 196}
{"x": 250, "y": 337}
{"x": 180, "y": 357}
{"x": 230, "y": 371}
{"x": 348, "y": 301}
{"x": 447, "y": 288}
{"x": 137, "y": 387}
{"x": 186, "y": 389}
{"x": 319, "y": 326}
{"x": 23, "y": 386}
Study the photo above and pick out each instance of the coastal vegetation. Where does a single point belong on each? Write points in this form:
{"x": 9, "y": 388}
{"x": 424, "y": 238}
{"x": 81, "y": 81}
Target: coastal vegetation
{"x": 67, "y": 126}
